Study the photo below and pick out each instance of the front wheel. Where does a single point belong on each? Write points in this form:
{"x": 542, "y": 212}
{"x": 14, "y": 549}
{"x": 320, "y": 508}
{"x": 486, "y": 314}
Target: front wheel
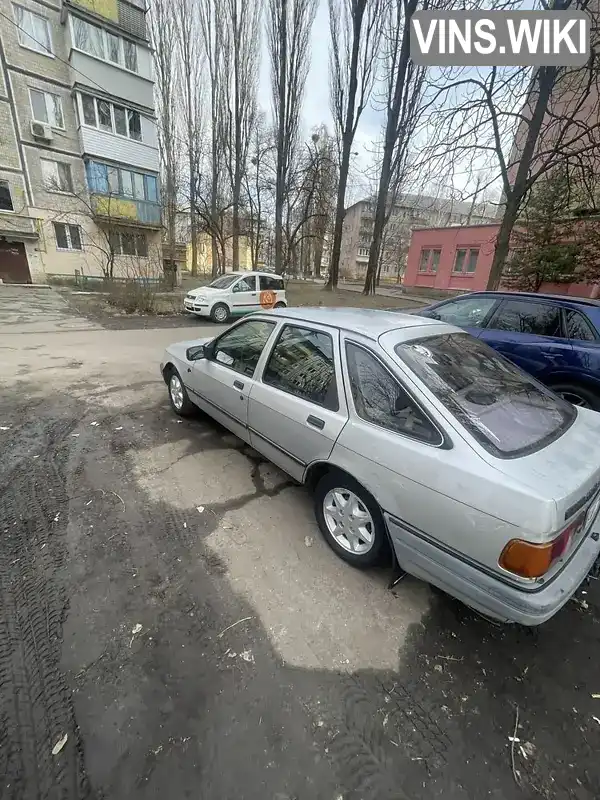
{"x": 350, "y": 520}
{"x": 219, "y": 313}
{"x": 180, "y": 401}
{"x": 579, "y": 395}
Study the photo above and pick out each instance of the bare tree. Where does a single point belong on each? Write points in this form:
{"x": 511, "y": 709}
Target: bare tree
{"x": 259, "y": 181}
{"x": 164, "y": 34}
{"x": 405, "y": 101}
{"x": 190, "y": 76}
{"x": 241, "y": 56}
{"x": 523, "y": 123}
{"x": 288, "y": 40}
{"x": 214, "y": 35}
{"x": 355, "y": 27}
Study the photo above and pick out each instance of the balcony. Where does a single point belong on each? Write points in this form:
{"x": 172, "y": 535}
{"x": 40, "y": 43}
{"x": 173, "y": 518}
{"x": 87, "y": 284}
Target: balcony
{"x": 121, "y": 211}
{"x": 17, "y": 226}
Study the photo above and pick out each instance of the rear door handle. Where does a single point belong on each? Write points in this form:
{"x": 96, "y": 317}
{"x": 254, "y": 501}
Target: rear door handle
{"x": 238, "y": 385}
{"x": 316, "y": 422}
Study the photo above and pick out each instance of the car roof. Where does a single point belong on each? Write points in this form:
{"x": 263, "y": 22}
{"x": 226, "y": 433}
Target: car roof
{"x": 252, "y": 272}
{"x": 368, "y": 322}
{"x": 563, "y": 298}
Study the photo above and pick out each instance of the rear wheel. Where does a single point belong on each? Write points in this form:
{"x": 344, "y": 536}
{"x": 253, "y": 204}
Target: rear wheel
{"x": 180, "y": 401}
{"x": 350, "y": 520}
{"x": 280, "y": 305}
{"x": 219, "y": 313}
{"x": 579, "y": 395}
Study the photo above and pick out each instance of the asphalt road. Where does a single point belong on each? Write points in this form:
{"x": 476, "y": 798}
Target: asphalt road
{"x": 168, "y": 606}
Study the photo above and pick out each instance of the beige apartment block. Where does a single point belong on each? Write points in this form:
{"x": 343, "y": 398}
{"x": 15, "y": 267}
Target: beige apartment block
{"x": 409, "y": 212}
{"x": 79, "y": 164}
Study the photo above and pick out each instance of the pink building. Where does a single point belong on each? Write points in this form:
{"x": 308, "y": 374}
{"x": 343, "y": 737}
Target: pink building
{"x": 459, "y": 259}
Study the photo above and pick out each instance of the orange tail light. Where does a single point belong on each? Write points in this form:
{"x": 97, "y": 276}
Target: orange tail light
{"x": 533, "y": 560}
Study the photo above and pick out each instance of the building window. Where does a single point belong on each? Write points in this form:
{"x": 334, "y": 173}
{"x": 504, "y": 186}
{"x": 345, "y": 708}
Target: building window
{"x": 47, "y": 107}
{"x": 363, "y": 251}
{"x": 103, "y": 179}
{"x": 102, "y": 44}
{"x": 465, "y": 261}
{"x": 6, "y": 203}
{"x": 34, "y": 30}
{"x": 429, "y": 260}
{"x": 68, "y": 237}
{"x": 57, "y": 176}
{"x": 110, "y": 117}
{"x": 129, "y": 244}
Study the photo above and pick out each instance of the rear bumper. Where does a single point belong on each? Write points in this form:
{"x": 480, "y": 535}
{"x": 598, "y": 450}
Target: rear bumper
{"x": 483, "y": 591}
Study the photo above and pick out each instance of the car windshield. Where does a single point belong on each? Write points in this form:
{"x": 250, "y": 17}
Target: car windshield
{"x": 508, "y": 412}
{"x": 224, "y": 281}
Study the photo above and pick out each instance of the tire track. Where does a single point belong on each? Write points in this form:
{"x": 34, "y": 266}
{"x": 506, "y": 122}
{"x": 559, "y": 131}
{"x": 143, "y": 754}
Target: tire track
{"x": 35, "y": 704}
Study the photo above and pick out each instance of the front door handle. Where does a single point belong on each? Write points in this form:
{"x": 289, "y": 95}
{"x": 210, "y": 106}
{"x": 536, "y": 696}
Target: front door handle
{"x": 316, "y": 422}
{"x": 238, "y": 385}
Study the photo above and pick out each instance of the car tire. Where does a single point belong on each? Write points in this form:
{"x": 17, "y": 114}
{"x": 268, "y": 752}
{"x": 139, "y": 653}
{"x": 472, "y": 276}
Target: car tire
{"x": 219, "y": 313}
{"x": 362, "y": 540}
{"x": 178, "y": 396}
{"x": 280, "y": 305}
{"x": 579, "y": 395}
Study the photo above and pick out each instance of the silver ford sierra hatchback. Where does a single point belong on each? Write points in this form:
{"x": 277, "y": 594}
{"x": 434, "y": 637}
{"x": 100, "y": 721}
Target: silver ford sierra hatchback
{"x": 415, "y": 435}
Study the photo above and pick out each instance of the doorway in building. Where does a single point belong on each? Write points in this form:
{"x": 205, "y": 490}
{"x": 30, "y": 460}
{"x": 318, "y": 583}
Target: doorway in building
{"x": 14, "y": 267}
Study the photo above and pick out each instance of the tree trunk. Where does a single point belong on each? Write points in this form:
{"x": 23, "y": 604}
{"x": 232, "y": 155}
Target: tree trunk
{"x": 502, "y": 248}
{"x": 318, "y": 255}
{"x": 347, "y": 139}
{"x": 379, "y": 222}
{"x": 515, "y": 194}
{"x": 280, "y": 177}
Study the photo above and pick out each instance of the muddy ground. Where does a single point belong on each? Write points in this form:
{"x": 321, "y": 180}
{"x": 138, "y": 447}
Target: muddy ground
{"x": 167, "y": 604}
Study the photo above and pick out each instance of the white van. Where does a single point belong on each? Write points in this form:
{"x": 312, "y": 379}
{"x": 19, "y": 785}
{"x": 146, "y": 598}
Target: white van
{"x": 236, "y": 293}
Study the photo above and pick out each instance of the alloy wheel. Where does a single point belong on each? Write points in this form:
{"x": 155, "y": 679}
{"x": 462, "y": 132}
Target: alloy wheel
{"x": 176, "y": 389}
{"x": 348, "y": 520}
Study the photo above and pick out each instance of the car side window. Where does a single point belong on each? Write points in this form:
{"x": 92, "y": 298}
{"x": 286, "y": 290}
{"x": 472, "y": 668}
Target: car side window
{"x": 578, "y": 327}
{"x": 240, "y": 348}
{"x": 469, "y": 312}
{"x": 302, "y": 363}
{"x": 522, "y": 316}
{"x": 380, "y": 399}
{"x": 267, "y": 282}
{"x": 245, "y": 285}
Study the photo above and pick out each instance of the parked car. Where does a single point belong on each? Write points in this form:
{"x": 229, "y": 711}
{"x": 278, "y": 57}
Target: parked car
{"x": 554, "y": 338}
{"x": 236, "y": 293}
{"x": 411, "y": 431}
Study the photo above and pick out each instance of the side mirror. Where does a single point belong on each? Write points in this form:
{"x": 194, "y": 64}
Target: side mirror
{"x": 433, "y": 315}
{"x": 196, "y": 353}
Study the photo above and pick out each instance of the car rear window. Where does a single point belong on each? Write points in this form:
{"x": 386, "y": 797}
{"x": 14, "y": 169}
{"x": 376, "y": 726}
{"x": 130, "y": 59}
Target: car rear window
{"x": 508, "y": 412}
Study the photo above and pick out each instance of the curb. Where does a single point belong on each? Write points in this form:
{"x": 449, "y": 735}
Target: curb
{"x": 25, "y": 285}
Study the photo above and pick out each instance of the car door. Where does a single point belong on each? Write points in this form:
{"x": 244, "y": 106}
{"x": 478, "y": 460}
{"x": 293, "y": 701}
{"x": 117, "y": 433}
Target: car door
{"x": 585, "y": 343}
{"x": 530, "y": 333}
{"x": 244, "y": 296}
{"x": 222, "y": 382}
{"x": 271, "y": 290}
{"x": 469, "y": 313}
{"x": 298, "y": 408}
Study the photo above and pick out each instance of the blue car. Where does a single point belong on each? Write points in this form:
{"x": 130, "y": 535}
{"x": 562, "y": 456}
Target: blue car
{"x": 554, "y": 338}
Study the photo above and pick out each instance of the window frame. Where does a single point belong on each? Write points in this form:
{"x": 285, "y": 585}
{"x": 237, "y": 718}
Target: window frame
{"x": 534, "y": 303}
{"x": 428, "y": 265}
{"x": 444, "y": 443}
{"x": 45, "y": 95}
{"x": 22, "y": 32}
{"x": 233, "y": 289}
{"x": 70, "y": 249}
{"x": 306, "y": 326}
{"x": 147, "y": 177}
{"x": 12, "y": 202}
{"x": 467, "y": 250}
{"x": 497, "y": 302}
{"x": 65, "y": 164}
{"x": 120, "y": 252}
{"x": 105, "y": 33}
{"x": 113, "y": 125}
{"x": 215, "y": 343}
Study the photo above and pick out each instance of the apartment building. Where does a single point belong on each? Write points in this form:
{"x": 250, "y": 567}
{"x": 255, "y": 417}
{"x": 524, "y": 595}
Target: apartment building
{"x": 79, "y": 188}
{"x": 409, "y": 212}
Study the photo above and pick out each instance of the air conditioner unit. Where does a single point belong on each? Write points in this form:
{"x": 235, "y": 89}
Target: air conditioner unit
{"x": 42, "y": 130}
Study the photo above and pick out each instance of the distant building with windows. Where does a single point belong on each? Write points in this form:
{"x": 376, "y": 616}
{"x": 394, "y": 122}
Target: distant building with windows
{"x": 409, "y": 212}
{"x": 79, "y": 150}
